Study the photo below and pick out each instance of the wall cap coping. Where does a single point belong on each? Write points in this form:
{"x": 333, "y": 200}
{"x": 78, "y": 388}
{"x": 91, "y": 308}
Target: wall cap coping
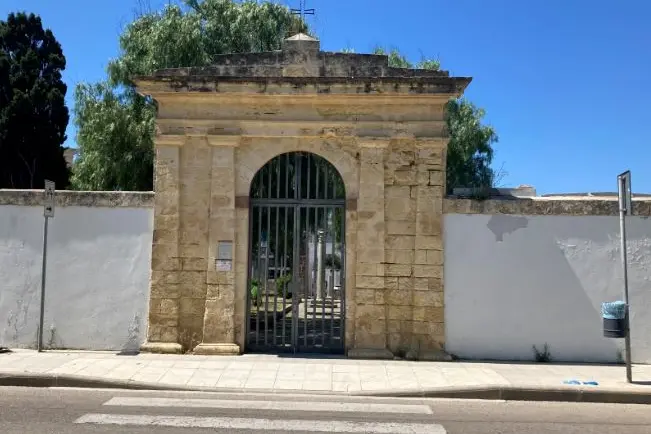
{"x": 65, "y": 198}
{"x": 557, "y": 205}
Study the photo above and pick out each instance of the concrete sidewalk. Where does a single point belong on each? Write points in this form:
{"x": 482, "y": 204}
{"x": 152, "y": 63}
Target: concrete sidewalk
{"x": 272, "y": 374}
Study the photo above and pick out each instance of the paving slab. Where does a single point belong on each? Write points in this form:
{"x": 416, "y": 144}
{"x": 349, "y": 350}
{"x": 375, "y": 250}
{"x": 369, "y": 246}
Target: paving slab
{"x": 328, "y": 375}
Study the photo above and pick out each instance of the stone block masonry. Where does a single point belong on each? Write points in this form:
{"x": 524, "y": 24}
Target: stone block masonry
{"x": 382, "y": 128}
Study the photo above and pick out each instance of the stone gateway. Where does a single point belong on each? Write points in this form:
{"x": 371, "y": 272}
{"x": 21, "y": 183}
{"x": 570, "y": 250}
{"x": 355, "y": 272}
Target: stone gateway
{"x": 362, "y": 270}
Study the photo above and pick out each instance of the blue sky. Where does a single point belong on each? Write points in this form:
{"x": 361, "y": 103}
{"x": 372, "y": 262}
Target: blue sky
{"x": 565, "y": 83}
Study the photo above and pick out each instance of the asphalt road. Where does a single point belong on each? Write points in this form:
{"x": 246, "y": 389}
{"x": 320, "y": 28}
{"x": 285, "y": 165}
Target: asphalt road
{"x": 73, "y": 411}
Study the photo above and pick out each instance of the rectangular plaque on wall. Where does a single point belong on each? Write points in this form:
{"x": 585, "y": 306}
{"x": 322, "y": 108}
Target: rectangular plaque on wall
{"x": 224, "y": 260}
{"x": 223, "y": 265}
{"x": 225, "y": 250}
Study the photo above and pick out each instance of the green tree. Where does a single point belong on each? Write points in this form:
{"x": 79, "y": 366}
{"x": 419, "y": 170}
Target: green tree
{"x": 470, "y": 150}
{"x": 33, "y": 114}
{"x": 114, "y": 133}
{"x": 116, "y": 125}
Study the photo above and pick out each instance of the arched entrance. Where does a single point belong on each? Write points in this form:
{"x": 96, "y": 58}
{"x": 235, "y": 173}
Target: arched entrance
{"x": 296, "y": 283}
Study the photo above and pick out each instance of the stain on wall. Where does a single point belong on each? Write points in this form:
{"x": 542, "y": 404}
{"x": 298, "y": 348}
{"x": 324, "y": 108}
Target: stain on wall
{"x": 505, "y": 224}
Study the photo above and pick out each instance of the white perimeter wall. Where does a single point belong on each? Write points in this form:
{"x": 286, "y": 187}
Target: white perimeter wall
{"x": 512, "y": 282}
{"x": 97, "y": 276}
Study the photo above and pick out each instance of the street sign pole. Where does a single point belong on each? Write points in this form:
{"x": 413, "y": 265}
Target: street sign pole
{"x": 48, "y": 212}
{"x": 625, "y": 207}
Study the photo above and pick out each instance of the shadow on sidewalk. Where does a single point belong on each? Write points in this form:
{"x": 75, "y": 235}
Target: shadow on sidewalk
{"x": 532, "y": 363}
{"x": 309, "y": 356}
{"x": 128, "y": 353}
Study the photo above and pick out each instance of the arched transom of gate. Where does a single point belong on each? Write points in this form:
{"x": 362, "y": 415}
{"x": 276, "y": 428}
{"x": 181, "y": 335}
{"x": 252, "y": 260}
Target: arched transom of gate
{"x": 383, "y": 131}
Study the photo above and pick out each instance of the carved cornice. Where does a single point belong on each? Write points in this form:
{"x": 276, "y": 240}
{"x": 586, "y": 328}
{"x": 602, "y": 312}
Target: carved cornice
{"x": 448, "y": 87}
{"x": 170, "y": 139}
{"x": 323, "y": 128}
{"x": 228, "y": 140}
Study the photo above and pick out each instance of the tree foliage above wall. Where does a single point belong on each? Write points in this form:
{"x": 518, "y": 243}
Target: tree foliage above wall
{"x": 470, "y": 150}
{"x": 116, "y": 126}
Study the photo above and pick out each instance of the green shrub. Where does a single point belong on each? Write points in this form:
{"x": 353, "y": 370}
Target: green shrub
{"x": 280, "y": 284}
{"x": 255, "y": 292}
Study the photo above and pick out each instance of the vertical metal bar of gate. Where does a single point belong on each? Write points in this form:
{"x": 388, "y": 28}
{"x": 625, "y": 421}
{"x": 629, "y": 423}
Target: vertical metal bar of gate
{"x": 331, "y": 278}
{"x": 342, "y": 279}
{"x": 266, "y": 261}
{"x": 285, "y": 283}
{"x": 286, "y": 231}
{"x": 259, "y": 280}
{"x": 296, "y": 278}
{"x": 313, "y": 272}
{"x": 317, "y": 276}
{"x": 276, "y": 251}
{"x": 323, "y": 299}
{"x": 307, "y": 287}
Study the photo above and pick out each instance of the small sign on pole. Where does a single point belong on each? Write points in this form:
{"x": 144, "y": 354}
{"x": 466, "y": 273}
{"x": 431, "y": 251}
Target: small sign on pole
{"x": 48, "y": 204}
{"x": 48, "y": 212}
{"x": 625, "y": 208}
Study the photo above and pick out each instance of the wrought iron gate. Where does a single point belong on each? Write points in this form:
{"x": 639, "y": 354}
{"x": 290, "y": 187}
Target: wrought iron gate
{"x": 296, "y": 256}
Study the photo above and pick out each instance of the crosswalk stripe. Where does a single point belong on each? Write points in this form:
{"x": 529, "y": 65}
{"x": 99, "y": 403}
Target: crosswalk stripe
{"x": 320, "y": 406}
{"x": 262, "y": 424}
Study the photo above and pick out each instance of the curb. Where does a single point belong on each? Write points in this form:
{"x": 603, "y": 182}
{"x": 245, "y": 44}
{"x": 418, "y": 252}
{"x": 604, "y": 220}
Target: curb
{"x": 519, "y": 393}
{"x": 24, "y": 379}
{"x": 497, "y": 392}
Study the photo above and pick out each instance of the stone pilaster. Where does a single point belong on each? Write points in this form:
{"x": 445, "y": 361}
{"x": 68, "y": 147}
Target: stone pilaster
{"x": 370, "y": 321}
{"x": 219, "y": 317}
{"x": 163, "y": 327}
{"x": 428, "y": 319}
{"x": 400, "y": 209}
{"x": 193, "y": 241}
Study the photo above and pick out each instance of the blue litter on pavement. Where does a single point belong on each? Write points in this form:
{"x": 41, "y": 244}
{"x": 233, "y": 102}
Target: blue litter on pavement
{"x": 578, "y": 382}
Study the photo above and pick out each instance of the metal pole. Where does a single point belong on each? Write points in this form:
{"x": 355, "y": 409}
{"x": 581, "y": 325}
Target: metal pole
{"x": 622, "y": 228}
{"x": 43, "y": 270}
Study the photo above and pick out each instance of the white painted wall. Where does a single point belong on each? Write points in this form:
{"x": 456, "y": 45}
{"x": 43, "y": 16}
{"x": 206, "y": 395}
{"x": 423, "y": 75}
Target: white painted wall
{"x": 97, "y": 276}
{"x": 512, "y": 282}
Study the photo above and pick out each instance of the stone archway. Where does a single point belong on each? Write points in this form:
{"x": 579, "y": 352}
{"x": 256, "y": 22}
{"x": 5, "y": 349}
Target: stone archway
{"x": 296, "y": 270}
{"x": 384, "y": 131}
{"x": 251, "y": 154}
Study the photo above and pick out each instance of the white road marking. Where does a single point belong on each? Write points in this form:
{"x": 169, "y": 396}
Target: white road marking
{"x": 262, "y": 424}
{"x": 320, "y": 406}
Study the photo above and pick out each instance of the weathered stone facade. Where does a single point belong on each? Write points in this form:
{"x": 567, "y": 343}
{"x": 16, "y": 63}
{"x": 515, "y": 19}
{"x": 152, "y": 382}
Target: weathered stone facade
{"x": 382, "y": 128}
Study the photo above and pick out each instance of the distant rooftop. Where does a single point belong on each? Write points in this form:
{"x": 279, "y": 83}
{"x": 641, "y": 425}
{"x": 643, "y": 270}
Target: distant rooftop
{"x": 594, "y": 194}
{"x": 527, "y": 191}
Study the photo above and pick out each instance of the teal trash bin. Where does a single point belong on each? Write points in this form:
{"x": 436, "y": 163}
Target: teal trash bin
{"x": 615, "y": 319}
